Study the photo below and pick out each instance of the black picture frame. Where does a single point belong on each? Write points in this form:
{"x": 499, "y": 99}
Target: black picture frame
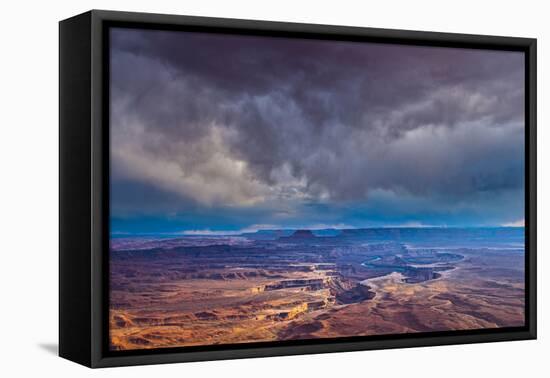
{"x": 84, "y": 188}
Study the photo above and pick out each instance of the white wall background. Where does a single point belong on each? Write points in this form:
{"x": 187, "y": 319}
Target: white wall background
{"x": 29, "y": 189}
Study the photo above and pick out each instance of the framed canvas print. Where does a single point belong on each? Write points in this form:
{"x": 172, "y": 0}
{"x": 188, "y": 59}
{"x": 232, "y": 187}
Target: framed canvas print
{"x": 233, "y": 188}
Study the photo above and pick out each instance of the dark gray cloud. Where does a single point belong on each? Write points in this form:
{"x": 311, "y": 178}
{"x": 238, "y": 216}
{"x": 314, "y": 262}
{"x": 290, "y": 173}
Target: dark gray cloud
{"x": 241, "y": 120}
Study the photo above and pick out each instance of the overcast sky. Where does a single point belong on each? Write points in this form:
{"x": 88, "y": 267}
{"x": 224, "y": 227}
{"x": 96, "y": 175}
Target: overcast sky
{"x": 219, "y": 132}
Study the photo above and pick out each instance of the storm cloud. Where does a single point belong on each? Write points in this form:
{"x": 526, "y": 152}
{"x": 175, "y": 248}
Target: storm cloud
{"x": 290, "y": 131}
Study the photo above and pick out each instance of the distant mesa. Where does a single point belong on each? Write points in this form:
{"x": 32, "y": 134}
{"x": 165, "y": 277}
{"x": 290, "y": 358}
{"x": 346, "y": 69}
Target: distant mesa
{"x": 302, "y": 234}
{"x": 299, "y": 235}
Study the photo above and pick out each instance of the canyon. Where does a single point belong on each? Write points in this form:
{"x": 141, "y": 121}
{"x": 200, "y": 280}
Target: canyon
{"x": 278, "y": 285}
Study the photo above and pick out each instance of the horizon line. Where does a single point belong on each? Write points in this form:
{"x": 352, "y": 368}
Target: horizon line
{"x": 188, "y": 233}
